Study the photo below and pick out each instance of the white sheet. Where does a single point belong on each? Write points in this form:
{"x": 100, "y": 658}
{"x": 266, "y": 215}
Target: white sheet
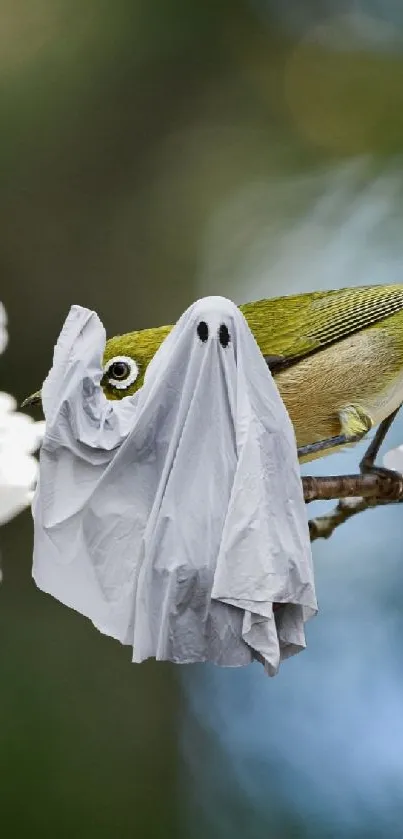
{"x": 175, "y": 518}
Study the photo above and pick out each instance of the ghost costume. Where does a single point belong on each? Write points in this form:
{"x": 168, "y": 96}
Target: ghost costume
{"x": 174, "y": 519}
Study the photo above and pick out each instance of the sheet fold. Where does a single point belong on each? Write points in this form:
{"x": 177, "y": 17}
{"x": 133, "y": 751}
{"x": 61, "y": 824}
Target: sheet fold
{"x": 174, "y": 518}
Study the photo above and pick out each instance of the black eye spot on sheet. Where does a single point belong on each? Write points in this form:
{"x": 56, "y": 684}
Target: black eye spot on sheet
{"x": 224, "y": 335}
{"x": 202, "y": 331}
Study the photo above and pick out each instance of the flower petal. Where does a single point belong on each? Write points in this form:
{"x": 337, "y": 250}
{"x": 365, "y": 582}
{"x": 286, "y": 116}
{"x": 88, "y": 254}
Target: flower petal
{"x": 7, "y": 403}
{"x": 18, "y": 475}
{"x": 19, "y": 431}
{"x": 3, "y": 330}
{"x": 394, "y": 459}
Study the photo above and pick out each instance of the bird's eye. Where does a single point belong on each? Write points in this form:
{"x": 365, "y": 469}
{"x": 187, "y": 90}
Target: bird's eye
{"x": 202, "y": 331}
{"x": 223, "y": 335}
{"x": 121, "y": 371}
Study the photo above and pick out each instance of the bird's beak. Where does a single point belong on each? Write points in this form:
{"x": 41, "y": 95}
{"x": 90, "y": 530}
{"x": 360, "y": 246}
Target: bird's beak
{"x": 34, "y": 399}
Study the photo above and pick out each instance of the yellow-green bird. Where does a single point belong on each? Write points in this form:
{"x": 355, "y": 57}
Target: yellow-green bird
{"x": 337, "y": 358}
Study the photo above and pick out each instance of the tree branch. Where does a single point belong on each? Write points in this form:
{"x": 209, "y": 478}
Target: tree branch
{"x": 387, "y": 486}
{"x": 356, "y": 493}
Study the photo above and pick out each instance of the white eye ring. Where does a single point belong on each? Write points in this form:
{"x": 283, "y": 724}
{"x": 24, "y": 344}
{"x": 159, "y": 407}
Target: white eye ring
{"x": 122, "y": 384}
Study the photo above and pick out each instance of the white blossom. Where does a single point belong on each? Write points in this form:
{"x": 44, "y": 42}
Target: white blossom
{"x": 20, "y": 437}
{"x": 3, "y": 328}
{"x": 393, "y": 459}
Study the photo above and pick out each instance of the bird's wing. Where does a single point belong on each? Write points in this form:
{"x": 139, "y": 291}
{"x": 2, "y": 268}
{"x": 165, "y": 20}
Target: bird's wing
{"x": 289, "y": 328}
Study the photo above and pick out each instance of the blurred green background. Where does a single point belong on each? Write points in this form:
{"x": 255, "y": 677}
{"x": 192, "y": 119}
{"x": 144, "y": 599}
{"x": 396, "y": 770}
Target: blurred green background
{"x": 152, "y": 152}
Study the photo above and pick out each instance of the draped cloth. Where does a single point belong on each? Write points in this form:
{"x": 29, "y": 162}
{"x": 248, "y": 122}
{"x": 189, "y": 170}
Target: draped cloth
{"x": 174, "y": 518}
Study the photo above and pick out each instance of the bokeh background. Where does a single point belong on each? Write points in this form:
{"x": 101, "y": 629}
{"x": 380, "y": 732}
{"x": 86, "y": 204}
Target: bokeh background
{"x": 152, "y": 153}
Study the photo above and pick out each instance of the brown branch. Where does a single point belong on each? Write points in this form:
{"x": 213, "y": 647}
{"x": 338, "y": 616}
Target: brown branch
{"x": 356, "y": 493}
{"x": 323, "y": 526}
{"x": 386, "y": 486}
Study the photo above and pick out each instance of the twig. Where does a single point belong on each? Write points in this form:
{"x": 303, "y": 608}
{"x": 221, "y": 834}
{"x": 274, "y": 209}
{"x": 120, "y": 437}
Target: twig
{"x": 356, "y": 493}
{"x": 386, "y": 486}
{"x": 323, "y": 526}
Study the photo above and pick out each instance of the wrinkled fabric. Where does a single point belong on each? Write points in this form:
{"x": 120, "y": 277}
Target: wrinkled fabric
{"x": 174, "y": 519}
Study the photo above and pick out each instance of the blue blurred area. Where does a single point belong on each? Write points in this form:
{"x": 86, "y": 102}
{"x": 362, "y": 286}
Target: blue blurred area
{"x": 319, "y": 749}
{"x": 322, "y": 742}
{"x": 152, "y": 153}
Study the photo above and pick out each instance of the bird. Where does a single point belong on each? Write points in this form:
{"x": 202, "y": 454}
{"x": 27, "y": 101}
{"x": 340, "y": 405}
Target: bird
{"x": 336, "y": 357}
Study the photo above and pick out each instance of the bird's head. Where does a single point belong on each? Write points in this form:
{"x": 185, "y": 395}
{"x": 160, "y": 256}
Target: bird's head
{"x": 126, "y": 359}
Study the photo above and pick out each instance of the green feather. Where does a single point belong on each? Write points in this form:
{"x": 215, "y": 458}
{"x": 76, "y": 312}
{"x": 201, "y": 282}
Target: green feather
{"x": 296, "y": 326}
{"x": 287, "y": 329}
